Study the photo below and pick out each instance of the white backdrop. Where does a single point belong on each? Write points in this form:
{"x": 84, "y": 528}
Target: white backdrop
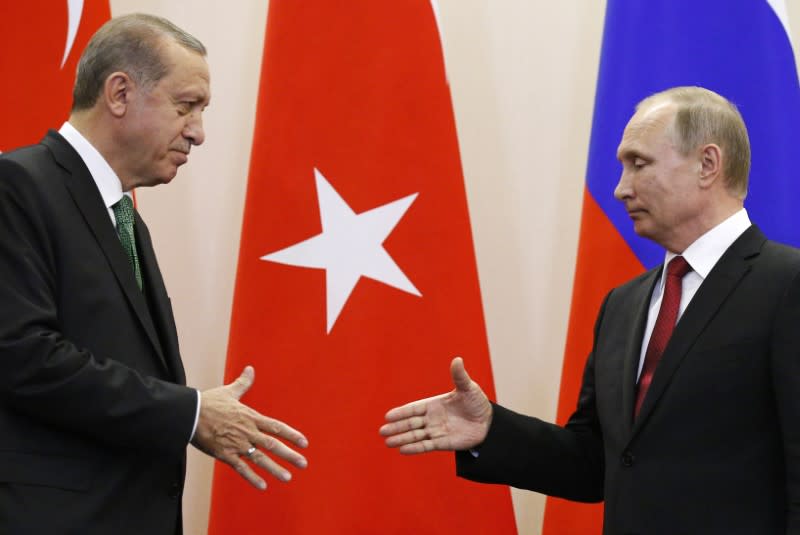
{"x": 522, "y": 75}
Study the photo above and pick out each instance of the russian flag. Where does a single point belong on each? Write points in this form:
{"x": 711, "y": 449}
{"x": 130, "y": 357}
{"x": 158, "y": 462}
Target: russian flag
{"x": 742, "y": 51}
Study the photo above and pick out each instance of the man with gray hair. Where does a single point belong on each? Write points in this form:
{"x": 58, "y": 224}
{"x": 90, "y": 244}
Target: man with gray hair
{"x": 688, "y": 418}
{"x": 95, "y": 414}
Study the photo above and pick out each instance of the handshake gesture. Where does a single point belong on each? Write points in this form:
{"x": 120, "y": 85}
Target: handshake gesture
{"x": 457, "y": 420}
{"x": 234, "y": 433}
{"x": 239, "y": 435}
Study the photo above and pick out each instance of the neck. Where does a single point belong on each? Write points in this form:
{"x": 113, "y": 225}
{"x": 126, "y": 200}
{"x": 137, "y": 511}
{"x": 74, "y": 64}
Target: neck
{"x": 711, "y": 218}
{"x": 95, "y": 129}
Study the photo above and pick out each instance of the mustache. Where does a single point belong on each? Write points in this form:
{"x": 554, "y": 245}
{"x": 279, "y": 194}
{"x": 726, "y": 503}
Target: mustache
{"x": 184, "y": 148}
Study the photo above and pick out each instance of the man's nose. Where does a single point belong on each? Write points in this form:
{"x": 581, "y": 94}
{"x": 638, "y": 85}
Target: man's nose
{"x": 623, "y": 189}
{"x": 194, "y": 130}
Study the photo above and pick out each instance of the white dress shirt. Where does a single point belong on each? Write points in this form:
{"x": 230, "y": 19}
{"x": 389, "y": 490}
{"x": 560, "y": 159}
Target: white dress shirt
{"x": 702, "y": 255}
{"x": 110, "y": 188}
{"x": 106, "y": 179}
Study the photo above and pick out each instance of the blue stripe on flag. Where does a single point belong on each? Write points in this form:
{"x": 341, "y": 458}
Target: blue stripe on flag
{"x": 737, "y": 48}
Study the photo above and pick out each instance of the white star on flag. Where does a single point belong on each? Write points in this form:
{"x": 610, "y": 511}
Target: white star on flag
{"x": 349, "y": 247}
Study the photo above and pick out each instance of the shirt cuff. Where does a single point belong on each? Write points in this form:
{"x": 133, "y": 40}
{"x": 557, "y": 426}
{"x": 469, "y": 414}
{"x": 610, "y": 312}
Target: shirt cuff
{"x": 196, "y": 416}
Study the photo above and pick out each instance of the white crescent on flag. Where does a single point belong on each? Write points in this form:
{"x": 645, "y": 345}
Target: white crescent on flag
{"x": 438, "y": 17}
{"x": 74, "y": 12}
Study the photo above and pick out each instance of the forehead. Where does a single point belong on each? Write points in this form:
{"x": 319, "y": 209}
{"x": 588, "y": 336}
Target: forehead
{"x": 647, "y": 128}
{"x": 187, "y": 72}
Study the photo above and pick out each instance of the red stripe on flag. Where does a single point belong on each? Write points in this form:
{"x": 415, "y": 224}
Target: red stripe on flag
{"x": 604, "y": 261}
{"x": 357, "y": 91}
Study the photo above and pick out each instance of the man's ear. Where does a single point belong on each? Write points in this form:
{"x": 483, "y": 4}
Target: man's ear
{"x": 117, "y": 92}
{"x": 710, "y": 164}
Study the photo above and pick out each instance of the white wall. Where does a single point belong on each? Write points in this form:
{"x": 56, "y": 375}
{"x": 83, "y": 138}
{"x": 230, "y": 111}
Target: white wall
{"x": 522, "y": 75}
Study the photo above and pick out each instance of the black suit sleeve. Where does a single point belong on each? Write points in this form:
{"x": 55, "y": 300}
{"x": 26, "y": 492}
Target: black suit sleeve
{"x": 528, "y": 453}
{"x": 43, "y": 374}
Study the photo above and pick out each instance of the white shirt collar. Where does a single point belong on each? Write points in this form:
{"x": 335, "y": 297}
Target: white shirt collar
{"x": 706, "y": 250}
{"x": 106, "y": 179}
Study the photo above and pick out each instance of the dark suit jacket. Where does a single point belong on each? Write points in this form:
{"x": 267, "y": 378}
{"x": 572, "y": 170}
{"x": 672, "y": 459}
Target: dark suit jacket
{"x": 716, "y": 446}
{"x": 94, "y": 420}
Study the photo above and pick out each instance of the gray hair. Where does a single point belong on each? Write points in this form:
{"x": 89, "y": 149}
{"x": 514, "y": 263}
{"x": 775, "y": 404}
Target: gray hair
{"x": 131, "y": 44}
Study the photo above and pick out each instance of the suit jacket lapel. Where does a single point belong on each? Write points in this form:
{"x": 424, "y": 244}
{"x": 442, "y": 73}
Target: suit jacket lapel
{"x": 160, "y": 307}
{"x": 641, "y": 295}
{"x": 88, "y": 200}
{"x": 721, "y": 281}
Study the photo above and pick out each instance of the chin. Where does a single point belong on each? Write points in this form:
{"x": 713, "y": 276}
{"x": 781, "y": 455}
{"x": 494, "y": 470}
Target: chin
{"x": 155, "y": 181}
{"x": 642, "y": 230}
{"x": 167, "y": 178}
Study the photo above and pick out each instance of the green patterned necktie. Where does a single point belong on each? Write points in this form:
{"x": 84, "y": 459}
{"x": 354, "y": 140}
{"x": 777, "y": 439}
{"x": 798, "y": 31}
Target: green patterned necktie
{"x": 123, "y": 212}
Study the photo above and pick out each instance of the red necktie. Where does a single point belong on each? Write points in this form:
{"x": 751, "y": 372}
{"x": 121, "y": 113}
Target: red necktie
{"x": 665, "y": 323}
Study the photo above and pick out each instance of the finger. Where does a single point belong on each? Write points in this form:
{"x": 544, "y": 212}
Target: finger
{"x": 275, "y": 447}
{"x": 277, "y": 428}
{"x": 418, "y": 447}
{"x": 400, "y": 426}
{"x": 415, "y": 408}
{"x": 244, "y": 470}
{"x": 459, "y": 374}
{"x": 409, "y": 437}
{"x": 243, "y": 383}
{"x": 277, "y": 471}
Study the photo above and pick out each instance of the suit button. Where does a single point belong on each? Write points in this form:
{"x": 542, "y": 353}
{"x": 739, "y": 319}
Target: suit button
{"x": 627, "y": 458}
{"x": 174, "y": 491}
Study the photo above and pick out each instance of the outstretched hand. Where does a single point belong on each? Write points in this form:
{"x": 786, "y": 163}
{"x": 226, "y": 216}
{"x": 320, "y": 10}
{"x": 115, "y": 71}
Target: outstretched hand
{"x": 233, "y": 432}
{"x": 458, "y": 420}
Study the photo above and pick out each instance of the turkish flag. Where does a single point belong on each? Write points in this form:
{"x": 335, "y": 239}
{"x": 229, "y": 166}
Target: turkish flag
{"x": 357, "y": 281}
{"x": 41, "y": 42}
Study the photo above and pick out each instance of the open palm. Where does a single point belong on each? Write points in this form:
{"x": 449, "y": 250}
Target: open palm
{"x": 457, "y": 420}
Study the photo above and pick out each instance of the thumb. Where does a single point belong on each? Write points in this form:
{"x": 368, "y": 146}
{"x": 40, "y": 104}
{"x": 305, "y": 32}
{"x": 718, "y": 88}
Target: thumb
{"x": 243, "y": 383}
{"x": 459, "y": 374}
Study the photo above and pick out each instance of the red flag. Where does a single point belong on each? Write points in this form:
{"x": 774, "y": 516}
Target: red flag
{"x": 41, "y": 42}
{"x": 357, "y": 280}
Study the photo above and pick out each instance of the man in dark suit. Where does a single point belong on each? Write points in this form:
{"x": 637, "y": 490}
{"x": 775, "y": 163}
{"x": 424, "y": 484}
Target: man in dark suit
{"x": 681, "y": 429}
{"x": 95, "y": 416}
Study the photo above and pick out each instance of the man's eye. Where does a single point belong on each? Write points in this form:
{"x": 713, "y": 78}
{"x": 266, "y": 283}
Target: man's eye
{"x": 184, "y": 108}
{"x": 638, "y": 163}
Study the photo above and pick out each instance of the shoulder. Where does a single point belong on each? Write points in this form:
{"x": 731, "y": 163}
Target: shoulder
{"x": 643, "y": 282}
{"x": 756, "y": 249}
{"x": 31, "y": 182}
{"x": 30, "y": 161}
{"x": 30, "y": 168}
{"x": 777, "y": 267}
{"x": 23, "y": 159}
{"x": 52, "y": 152}
{"x": 780, "y": 253}
{"x": 625, "y": 300}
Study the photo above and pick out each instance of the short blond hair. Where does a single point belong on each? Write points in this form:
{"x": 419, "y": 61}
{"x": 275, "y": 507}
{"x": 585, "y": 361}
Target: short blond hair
{"x": 702, "y": 117}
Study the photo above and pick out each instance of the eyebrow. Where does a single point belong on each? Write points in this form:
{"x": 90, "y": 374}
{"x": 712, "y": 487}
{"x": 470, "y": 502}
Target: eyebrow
{"x": 630, "y": 154}
{"x": 193, "y": 94}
